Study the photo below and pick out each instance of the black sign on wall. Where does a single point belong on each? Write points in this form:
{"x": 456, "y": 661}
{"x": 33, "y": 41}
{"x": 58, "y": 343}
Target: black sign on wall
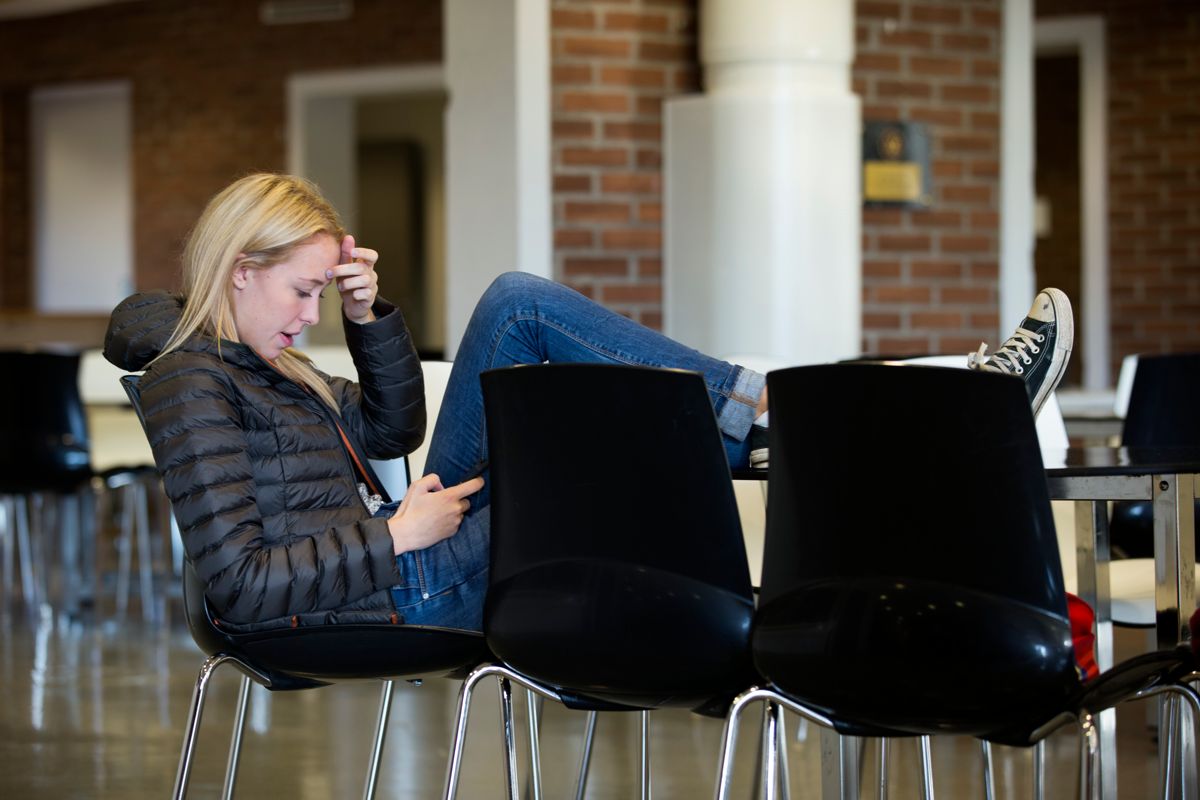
{"x": 896, "y": 170}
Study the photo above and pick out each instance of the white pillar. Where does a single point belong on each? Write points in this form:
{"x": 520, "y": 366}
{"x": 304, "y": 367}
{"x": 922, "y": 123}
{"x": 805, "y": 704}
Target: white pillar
{"x": 1016, "y": 166}
{"x": 763, "y": 186}
{"x": 497, "y": 57}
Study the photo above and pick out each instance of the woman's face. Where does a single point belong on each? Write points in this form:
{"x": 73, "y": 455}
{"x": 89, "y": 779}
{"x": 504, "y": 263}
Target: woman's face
{"x": 272, "y": 305}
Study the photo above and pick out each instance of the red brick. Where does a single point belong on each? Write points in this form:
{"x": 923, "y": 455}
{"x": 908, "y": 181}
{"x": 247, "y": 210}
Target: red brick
{"x": 937, "y": 319}
{"x": 882, "y": 216}
{"x": 897, "y": 242}
{"x": 937, "y": 219}
{"x": 645, "y": 23}
{"x": 595, "y": 156}
{"x": 568, "y": 74}
{"x": 967, "y": 295}
{"x": 632, "y": 239}
{"x": 936, "y": 269}
{"x": 965, "y": 41}
{"x": 875, "y": 268}
{"x": 572, "y": 18}
{"x": 918, "y": 295}
{"x": 649, "y": 158}
{"x": 650, "y": 267}
{"x": 906, "y": 37}
{"x": 877, "y": 321}
{"x": 967, "y": 93}
{"x": 969, "y": 143}
{"x": 665, "y": 51}
{"x": 649, "y": 212}
{"x": 572, "y": 129}
{"x": 633, "y": 130}
{"x": 868, "y": 9}
{"x": 572, "y": 183}
{"x": 631, "y": 182}
{"x": 894, "y": 88}
{"x": 594, "y": 101}
{"x": 949, "y": 117}
{"x": 576, "y": 211}
{"x": 939, "y": 15}
{"x": 966, "y": 244}
{"x": 572, "y": 238}
{"x": 655, "y": 77}
{"x": 877, "y": 62}
{"x": 941, "y": 67}
{"x": 979, "y": 195}
{"x": 608, "y": 267}
{"x": 596, "y": 47}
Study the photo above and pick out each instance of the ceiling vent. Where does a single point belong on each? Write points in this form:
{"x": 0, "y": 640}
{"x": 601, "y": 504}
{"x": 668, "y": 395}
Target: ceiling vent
{"x": 294, "y": 12}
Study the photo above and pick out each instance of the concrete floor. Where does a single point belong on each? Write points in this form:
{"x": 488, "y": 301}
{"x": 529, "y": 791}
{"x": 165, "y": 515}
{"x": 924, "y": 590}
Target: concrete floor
{"x": 97, "y": 709}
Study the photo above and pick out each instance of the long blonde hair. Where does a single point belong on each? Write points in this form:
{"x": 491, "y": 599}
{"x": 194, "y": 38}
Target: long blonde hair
{"x": 258, "y": 221}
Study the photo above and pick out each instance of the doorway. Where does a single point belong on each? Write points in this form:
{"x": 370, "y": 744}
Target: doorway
{"x": 1077, "y": 131}
{"x": 374, "y": 141}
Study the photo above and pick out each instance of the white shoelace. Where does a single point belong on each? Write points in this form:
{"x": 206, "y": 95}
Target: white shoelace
{"x": 1012, "y": 357}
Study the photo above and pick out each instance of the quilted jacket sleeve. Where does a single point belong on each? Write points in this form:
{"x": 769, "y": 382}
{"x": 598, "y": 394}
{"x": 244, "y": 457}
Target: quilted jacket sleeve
{"x": 200, "y": 446}
{"x": 385, "y": 410}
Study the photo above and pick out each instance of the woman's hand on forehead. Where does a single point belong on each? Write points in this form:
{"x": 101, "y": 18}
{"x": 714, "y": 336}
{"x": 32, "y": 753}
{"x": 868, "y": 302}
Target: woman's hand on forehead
{"x": 356, "y": 280}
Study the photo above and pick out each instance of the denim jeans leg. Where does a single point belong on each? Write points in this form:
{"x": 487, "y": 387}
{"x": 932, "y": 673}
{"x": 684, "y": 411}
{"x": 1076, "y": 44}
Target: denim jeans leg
{"x": 524, "y": 319}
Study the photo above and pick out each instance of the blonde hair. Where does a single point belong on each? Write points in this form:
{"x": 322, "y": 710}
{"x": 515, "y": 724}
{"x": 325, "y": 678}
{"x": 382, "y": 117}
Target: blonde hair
{"x": 256, "y": 221}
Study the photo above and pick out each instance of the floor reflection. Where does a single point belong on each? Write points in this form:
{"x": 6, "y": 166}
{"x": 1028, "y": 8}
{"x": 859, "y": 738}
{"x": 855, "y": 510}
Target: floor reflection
{"x": 96, "y": 709}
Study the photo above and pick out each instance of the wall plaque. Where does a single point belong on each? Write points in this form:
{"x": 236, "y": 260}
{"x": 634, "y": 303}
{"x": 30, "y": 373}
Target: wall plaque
{"x": 896, "y": 165}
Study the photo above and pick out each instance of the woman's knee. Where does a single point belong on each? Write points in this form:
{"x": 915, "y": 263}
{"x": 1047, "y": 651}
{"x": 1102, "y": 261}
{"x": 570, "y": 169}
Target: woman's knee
{"x": 511, "y": 292}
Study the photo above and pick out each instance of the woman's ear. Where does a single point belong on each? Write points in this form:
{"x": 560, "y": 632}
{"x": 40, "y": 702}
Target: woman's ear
{"x": 241, "y": 271}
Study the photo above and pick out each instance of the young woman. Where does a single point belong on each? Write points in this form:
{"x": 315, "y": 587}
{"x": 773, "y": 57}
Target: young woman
{"x": 265, "y": 458}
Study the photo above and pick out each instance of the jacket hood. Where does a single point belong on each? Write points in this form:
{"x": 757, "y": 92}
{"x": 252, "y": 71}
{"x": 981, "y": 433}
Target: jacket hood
{"x": 139, "y": 328}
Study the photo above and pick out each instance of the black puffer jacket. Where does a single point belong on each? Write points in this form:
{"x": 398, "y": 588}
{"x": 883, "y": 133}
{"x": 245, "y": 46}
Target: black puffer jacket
{"x": 262, "y": 487}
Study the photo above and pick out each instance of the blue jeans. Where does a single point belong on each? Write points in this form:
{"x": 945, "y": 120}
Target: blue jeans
{"x": 524, "y": 319}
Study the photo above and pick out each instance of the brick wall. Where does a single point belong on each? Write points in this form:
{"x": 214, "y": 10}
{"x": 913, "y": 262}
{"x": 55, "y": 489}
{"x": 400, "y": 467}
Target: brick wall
{"x": 1154, "y": 170}
{"x": 930, "y": 275}
{"x": 613, "y": 63}
{"x": 208, "y": 93}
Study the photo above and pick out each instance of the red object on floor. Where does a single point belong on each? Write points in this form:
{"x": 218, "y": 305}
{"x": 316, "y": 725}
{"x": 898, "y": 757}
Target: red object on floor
{"x": 1083, "y": 636}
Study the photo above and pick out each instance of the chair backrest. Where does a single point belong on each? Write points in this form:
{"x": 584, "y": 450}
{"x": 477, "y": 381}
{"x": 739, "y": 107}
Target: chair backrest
{"x": 43, "y": 433}
{"x": 617, "y": 560}
{"x": 1164, "y": 402}
{"x": 911, "y": 577}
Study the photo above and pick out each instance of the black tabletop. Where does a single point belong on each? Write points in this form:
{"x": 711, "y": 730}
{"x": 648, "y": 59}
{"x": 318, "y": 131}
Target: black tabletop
{"x": 1084, "y": 461}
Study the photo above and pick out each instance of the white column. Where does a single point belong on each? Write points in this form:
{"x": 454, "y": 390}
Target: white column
{"x": 1016, "y": 166}
{"x": 763, "y": 186}
{"x": 497, "y": 148}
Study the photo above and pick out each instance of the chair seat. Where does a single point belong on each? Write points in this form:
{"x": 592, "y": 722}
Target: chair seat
{"x": 326, "y": 653}
{"x": 682, "y": 639}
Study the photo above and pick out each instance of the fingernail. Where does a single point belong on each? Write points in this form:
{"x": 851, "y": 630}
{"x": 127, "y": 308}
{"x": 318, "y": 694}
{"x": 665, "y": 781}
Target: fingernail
{"x": 328, "y": 274}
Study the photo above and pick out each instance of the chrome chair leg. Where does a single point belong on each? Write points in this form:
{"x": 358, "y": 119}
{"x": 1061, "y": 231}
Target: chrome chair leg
{"x": 1168, "y": 731}
{"x": 770, "y": 751}
{"x": 645, "y": 754}
{"x": 881, "y": 782}
{"x": 145, "y": 556}
{"x": 465, "y": 692}
{"x": 729, "y": 738}
{"x": 926, "y": 769}
{"x": 193, "y": 724}
{"x": 1039, "y": 770}
{"x": 585, "y": 759}
{"x": 989, "y": 781}
{"x": 1089, "y": 763}
{"x": 533, "y": 705}
{"x": 235, "y": 744}
{"x": 785, "y": 777}
{"x": 509, "y": 735}
{"x": 385, "y": 707}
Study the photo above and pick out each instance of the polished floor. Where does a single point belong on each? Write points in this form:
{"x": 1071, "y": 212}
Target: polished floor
{"x": 95, "y": 709}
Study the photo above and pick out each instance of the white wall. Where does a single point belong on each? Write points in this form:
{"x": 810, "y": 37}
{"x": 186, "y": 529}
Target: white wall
{"x": 82, "y": 197}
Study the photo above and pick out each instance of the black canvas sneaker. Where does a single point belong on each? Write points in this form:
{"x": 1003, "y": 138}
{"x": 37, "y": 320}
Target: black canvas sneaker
{"x": 1038, "y": 351}
{"x": 759, "y": 454}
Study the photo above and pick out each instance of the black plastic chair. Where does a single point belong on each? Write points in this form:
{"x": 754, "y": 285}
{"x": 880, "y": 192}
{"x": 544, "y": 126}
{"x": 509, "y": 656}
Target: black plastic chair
{"x": 1163, "y": 405}
{"x": 878, "y": 617}
{"x": 613, "y": 585}
{"x": 309, "y": 657}
{"x": 44, "y": 447}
